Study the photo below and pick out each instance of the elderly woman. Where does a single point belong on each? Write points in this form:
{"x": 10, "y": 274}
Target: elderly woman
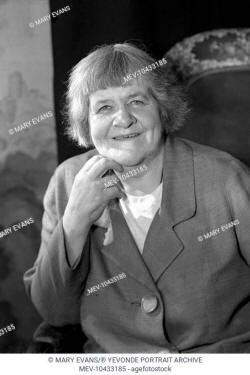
{"x": 145, "y": 238}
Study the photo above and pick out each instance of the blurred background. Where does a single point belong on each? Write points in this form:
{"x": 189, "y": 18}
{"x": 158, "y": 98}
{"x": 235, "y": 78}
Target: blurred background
{"x": 36, "y": 55}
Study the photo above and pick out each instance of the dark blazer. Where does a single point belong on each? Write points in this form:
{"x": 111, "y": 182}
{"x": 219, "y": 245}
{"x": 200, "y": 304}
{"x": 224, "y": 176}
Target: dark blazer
{"x": 194, "y": 268}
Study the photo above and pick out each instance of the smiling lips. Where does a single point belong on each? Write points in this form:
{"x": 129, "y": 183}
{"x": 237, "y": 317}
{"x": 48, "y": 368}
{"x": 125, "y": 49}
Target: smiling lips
{"x": 127, "y": 136}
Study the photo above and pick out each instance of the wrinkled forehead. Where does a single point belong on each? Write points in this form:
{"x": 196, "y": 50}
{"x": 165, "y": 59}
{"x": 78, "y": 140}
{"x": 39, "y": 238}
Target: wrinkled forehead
{"x": 136, "y": 88}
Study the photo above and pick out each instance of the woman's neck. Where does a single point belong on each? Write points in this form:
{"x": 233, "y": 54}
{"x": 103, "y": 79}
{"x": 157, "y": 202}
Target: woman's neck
{"x": 144, "y": 178}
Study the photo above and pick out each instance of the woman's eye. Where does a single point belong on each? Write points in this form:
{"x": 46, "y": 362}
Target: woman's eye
{"x": 137, "y": 102}
{"x": 104, "y": 108}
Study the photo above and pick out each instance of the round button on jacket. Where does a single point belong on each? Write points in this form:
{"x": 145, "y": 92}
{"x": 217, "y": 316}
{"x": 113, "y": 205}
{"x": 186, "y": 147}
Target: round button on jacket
{"x": 149, "y": 303}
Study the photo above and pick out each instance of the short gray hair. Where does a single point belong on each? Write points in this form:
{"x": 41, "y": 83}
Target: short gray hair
{"x": 107, "y": 66}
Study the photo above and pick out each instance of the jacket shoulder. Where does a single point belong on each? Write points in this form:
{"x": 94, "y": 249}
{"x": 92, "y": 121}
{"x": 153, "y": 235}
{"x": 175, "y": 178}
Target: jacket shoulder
{"x": 210, "y": 157}
{"x": 210, "y": 152}
{"x": 70, "y": 167}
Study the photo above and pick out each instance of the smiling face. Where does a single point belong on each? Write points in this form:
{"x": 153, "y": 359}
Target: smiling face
{"x": 125, "y": 124}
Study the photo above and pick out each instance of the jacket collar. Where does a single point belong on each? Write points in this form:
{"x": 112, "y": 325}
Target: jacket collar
{"x": 178, "y": 201}
{"x": 162, "y": 245}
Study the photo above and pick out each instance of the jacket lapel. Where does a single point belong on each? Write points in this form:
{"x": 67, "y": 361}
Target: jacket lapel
{"x": 123, "y": 250}
{"x": 162, "y": 245}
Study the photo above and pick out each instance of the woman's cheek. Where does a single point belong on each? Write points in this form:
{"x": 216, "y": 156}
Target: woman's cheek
{"x": 96, "y": 135}
{"x": 99, "y": 129}
{"x": 144, "y": 111}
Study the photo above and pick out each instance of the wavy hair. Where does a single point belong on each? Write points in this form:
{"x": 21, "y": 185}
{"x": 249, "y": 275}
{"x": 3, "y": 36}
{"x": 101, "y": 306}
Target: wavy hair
{"x": 107, "y": 66}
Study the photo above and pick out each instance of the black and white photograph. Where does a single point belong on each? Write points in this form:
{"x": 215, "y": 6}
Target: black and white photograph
{"x": 125, "y": 186}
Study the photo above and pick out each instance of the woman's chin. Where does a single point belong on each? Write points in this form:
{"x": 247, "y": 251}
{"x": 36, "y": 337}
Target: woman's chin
{"x": 129, "y": 162}
{"x": 126, "y": 159}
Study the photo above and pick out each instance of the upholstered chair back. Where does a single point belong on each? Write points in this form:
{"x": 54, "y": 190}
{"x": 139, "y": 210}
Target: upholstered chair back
{"x": 214, "y": 67}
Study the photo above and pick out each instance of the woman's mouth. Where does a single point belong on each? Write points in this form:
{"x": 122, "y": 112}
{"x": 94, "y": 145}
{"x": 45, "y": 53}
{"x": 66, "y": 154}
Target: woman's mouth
{"x": 125, "y": 136}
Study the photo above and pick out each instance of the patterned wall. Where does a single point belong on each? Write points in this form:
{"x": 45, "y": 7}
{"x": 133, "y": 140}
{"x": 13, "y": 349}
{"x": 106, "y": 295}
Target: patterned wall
{"x": 27, "y": 157}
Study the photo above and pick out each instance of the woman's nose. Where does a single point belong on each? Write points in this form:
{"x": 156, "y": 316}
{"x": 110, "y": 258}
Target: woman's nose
{"x": 123, "y": 119}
